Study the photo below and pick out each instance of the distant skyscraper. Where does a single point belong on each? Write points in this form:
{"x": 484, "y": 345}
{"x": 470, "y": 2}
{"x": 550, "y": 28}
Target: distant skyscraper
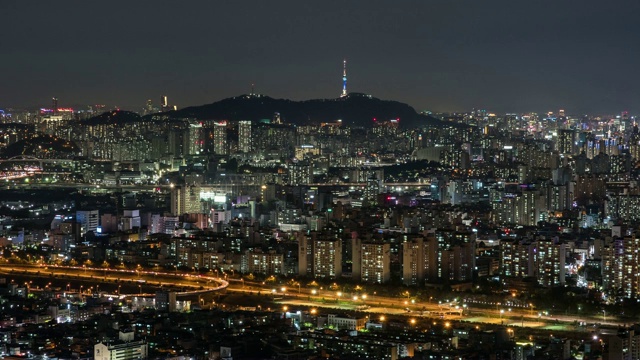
{"x": 164, "y": 103}
{"x": 276, "y": 119}
{"x": 244, "y": 136}
{"x": 196, "y": 138}
{"x": 344, "y": 78}
{"x": 149, "y": 108}
{"x": 54, "y": 104}
{"x": 565, "y": 142}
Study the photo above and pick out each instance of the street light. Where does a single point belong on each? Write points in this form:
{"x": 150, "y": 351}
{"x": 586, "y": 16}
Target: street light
{"x": 501, "y": 312}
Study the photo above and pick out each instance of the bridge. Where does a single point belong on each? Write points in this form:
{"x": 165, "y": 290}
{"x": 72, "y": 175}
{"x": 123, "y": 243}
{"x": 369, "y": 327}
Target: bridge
{"x": 23, "y": 166}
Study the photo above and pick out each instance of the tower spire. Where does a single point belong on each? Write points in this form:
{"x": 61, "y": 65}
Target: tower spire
{"x": 344, "y": 78}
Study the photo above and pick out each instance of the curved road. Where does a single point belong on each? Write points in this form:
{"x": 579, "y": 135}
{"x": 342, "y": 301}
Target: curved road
{"x": 198, "y": 284}
{"x": 311, "y": 298}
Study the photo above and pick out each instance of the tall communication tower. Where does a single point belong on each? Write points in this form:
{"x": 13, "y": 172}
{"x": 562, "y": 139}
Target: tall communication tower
{"x": 344, "y": 78}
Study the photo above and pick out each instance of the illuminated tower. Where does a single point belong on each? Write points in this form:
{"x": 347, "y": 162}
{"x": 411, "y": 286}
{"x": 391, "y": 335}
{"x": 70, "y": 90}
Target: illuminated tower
{"x": 54, "y": 103}
{"x": 344, "y": 78}
{"x": 164, "y": 103}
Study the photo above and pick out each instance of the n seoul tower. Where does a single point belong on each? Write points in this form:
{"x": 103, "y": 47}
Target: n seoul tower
{"x": 344, "y": 78}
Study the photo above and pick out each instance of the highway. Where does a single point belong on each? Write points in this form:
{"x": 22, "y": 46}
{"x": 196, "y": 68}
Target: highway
{"x": 188, "y": 284}
{"x": 196, "y": 284}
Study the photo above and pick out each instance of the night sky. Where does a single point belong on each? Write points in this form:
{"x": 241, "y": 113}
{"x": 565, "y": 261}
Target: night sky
{"x": 504, "y": 56}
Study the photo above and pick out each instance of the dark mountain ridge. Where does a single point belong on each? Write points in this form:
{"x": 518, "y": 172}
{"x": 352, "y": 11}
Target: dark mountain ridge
{"x": 354, "y": 110}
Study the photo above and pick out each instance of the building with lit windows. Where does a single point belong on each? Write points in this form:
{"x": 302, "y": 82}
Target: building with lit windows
{"x": 413, "y": 261}
{"x": 196, "y": 139}
{"x": 566, "y": 141}
{"x": 319, "y": 256}
{"x": 371, "y": 191}
{"x": 259, "y": 262}
{"x": 345, "y": 322}
{"x": 299, "y": 173}
{"x": 517, "y": 258}
{"x": 185, "y": 200}
{"x": 220, "y": 145}
{"x": 125, "y": 348}
{"x": 621, "y": 265}
{"x": 449, "y": 256}
{"x": 88, "y": 220}
{"x": 550, "y": 261}
{"x": 371, "y": 261}
{"x": 244, "y": 136}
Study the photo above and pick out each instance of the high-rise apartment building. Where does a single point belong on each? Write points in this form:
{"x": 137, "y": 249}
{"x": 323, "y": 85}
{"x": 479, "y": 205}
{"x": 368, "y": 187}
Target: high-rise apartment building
{"x": 185, "y": 200}
{"x": 518, "y": 258}
{"x": 244, "y": 136}
{"x": 566, "y": 142}
{"x": 550, "y": 256}
{"x": 300, "y": 173}
{"x": 621, "y": 265}
{"x": 371, "y": 191}
{"x": 413, "y": 261}
{"x": 371, "y": 261}
{"x": 265, "y": 263}
{"x": 220, "y": 145}
{"x": 196, "y": 139}
{"x": 449, "y": 256}
{"x": 319, "y": 256}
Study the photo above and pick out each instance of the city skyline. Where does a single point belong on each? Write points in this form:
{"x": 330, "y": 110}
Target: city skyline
{"x": 433, "y": 56}
{"x": 260, "y": 180}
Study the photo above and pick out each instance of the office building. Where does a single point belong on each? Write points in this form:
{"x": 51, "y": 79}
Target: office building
{"x": 125, "y": 348}
{"x": 88, "y": 220}
{"x": 166, "y": 301}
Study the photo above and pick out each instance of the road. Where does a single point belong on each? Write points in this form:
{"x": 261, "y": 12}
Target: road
{"x": 315, "y": 298}
{"x": 191, "y": 284}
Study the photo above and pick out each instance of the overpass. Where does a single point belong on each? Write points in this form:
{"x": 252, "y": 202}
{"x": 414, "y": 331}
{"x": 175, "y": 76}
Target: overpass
{"x": 193, "y": 284}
